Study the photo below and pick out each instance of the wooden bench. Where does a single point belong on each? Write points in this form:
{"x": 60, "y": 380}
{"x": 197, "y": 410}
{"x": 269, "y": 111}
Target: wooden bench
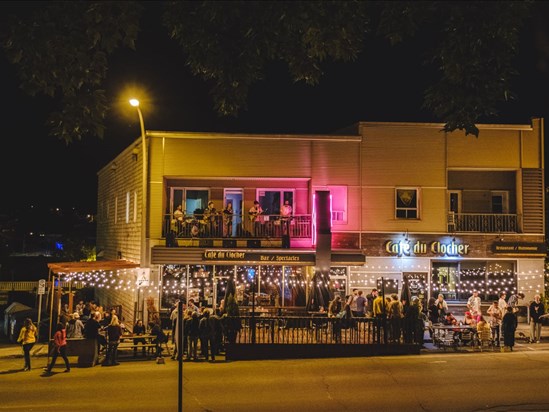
{"x": 85, "y": 349}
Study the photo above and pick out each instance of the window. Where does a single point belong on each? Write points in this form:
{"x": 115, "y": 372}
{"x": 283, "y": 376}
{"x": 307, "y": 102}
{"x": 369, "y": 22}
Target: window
{"x": 407, "y": 204}
{"x": 135, "y": 206}
{"x": 128, "y": 207}
{"x": 271, "y": 200}
{"x": 116, "y": 209}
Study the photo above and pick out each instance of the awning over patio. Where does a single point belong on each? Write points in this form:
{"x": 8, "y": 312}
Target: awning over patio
{"x": 100, "y": 265}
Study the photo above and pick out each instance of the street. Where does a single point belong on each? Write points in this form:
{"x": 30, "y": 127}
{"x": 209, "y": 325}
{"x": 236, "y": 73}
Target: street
{"x": 488, "y": 381}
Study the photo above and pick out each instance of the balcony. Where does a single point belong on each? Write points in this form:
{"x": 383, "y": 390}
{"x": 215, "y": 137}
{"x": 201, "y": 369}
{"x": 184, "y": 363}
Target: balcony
{"x": 266, "y": 226}
{"x": 483, "y": 223}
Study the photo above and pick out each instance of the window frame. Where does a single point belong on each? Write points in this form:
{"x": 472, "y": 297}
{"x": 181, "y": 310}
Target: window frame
{"x": 407, "y": 210}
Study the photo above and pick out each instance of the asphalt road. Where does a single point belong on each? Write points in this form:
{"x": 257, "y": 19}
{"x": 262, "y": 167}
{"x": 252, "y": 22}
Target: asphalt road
{"x": 487, "y": 381}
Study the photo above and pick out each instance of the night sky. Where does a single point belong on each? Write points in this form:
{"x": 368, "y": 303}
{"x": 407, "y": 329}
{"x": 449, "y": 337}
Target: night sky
{"x": 385, "y": 84}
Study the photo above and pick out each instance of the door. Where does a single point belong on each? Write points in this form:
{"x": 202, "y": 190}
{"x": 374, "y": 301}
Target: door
{"x": 500, "y": 202}
{"x": 234, "y": 196}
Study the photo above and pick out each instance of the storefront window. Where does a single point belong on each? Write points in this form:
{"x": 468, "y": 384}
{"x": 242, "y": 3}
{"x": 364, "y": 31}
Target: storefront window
{"x": 458, "y": 280}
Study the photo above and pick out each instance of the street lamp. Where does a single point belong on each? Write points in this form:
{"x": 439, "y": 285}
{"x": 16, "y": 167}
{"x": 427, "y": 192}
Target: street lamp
{"x": 135, "y": 103}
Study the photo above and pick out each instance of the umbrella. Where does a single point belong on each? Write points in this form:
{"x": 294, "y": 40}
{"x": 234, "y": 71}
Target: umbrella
{"x": 230, "y": 289}
{"x": 319, "y": 294}
{"x": 405, "y": 294}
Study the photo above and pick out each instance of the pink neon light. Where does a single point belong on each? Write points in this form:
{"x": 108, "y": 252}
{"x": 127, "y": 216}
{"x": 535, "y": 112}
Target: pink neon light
{"x": 313, "y": 239}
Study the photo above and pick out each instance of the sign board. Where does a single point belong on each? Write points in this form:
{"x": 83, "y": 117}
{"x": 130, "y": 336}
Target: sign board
{"x": 259, "y": 257}
{"x": 143, "y": 277}
{"x": 42, "y": 286}
{"x": 519, "y": 248}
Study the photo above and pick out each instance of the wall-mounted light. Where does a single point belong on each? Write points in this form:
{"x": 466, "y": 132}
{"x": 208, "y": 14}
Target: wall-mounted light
{"x": 135, "y": 152}
{"x": 114, "y": 166}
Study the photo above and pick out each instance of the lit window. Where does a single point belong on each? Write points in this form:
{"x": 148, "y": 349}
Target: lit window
{"x": 407, "y": 203}
{"x": 128, "y": 207}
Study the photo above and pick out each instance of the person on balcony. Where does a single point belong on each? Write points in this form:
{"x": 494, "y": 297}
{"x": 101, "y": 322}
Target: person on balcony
{"x": 228, "y": 213}
{"x": 286, "y": 217}
{"x": 255, "y": 212}
{"x": 178, "y": 216}
{"x": 210, "y": 219}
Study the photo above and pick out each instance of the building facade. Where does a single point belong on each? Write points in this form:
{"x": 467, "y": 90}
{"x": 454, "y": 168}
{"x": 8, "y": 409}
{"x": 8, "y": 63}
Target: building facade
{"x": 409, "y": 207}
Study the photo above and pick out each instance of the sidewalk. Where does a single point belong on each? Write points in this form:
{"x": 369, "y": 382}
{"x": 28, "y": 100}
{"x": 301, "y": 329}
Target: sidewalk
{"x": 13, "y": 350}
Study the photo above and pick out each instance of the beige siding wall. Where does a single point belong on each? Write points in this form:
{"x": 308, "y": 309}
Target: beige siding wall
{"x": 492, "y": 149}
{"x": 403, "y": 156}
{"x": 120, "y": 176}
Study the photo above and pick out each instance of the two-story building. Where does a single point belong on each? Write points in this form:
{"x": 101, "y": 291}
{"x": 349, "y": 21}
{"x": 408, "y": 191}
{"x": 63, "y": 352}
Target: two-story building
{"x": 410, "y": 207}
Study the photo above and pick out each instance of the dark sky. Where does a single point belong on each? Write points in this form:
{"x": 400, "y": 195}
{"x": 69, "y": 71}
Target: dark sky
{"x": 384, "y": 84}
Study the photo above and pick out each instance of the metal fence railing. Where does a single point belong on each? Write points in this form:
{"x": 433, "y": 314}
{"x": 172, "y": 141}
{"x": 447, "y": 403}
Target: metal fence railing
{"x": 306, "y": 330}
{"x": 265, "y": 226}
{"x": 484, "y": 223}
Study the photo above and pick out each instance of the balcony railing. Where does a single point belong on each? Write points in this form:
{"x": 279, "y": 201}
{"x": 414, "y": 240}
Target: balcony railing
{"x": 266, "y": 226}
{"x": 484, "y": 223}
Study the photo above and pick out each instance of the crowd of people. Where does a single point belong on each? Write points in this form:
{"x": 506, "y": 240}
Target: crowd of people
{"x": 406, "y": 322}
{"x": 499, "y": 322}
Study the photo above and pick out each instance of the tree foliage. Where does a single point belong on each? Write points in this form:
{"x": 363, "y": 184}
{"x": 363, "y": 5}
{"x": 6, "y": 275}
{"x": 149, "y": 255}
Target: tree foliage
{"x": 62, "y": 49}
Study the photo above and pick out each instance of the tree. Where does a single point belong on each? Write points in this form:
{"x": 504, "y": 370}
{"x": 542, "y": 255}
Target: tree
{"x": 61, "y": 49}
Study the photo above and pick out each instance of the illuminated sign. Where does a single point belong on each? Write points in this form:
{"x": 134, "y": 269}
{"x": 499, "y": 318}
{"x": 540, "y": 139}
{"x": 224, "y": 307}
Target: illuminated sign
{"x": 269, "y": 258}
{"x": 519, "y": 248}
{"x": 405, "y": 248}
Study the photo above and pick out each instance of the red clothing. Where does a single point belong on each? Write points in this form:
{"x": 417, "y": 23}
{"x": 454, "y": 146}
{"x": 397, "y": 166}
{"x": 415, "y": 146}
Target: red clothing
{"x": 60, "y": 338}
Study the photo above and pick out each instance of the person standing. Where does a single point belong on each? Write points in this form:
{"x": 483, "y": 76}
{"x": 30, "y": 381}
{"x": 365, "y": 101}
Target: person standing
{"x": 509, "y": 326}
{"x": 502, "y": 303}
{"x": 370, "y": 297}
{"x": 360, "y": 305}
{"x": 27, "y": 339}
{"x": 255, "y": 212}
{"x": 59, "y": 348}
{"x": 442, "y": 307}
{"x": 114, "y": 332}
{"x": 514, "y": 301}
{"x": 334, "y": 307}
{"x": 537, "y": 309}
{"x": 473, "y": 304}
{"x": 210, "y": 219}
{"x": 74, "y": 326}
{"x": 228, "y": 214}
{"x": 379, "y": 312}
{"x": 351, "y": 301}
{"x": 495, "y": 321}
{"x": 286, "y": 217}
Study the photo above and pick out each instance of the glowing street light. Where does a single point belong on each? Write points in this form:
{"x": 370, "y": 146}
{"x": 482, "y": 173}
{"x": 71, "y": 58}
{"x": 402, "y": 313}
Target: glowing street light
{"x": 135, "y": 103}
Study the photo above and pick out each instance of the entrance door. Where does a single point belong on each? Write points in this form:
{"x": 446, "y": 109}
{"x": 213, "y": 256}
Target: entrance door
{"x": 234, "y": 196}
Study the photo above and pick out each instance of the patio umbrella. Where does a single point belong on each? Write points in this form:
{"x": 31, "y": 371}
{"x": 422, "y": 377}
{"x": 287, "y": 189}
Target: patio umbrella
{"x": 405, "y": 294}
{"x": 319, "y": 295}
{"x": 230, "y": 289}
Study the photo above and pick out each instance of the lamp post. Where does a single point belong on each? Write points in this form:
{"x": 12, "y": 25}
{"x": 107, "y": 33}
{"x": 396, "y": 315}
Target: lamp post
{"x": 135, "y": 103}
{"x": 143, "y": 244}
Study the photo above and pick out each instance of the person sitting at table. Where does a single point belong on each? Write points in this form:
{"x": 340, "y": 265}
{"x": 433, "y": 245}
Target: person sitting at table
{"x": 450, "y": 320}
{"x": 469, "y": 320}
{"x": 334, "y": 307}
{"x": 484, "y": 331}
{"x": 139, "y": 329}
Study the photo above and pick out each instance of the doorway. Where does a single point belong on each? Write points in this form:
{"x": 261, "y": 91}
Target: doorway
{"x": 234, "y": 196}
